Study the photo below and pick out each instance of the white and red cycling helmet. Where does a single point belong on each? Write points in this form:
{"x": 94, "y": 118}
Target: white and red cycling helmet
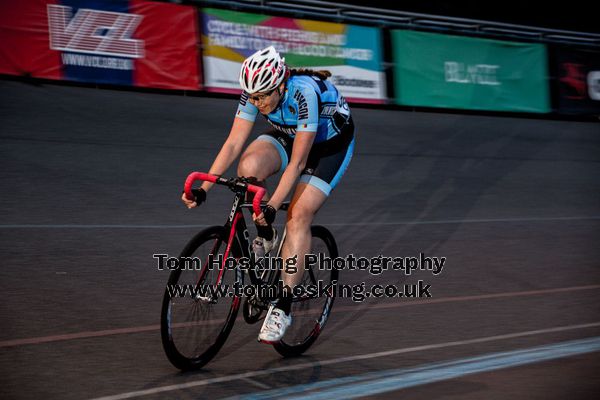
{"x": 262, "y": 71}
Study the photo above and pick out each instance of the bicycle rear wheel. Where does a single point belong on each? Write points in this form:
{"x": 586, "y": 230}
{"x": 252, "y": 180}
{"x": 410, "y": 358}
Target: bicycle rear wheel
{"x": 311, "y": 311}
{"x": 194, "y": 326}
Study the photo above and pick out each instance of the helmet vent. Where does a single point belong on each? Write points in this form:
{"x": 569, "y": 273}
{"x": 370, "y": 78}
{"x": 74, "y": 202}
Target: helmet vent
{"x": 265, "y": 79}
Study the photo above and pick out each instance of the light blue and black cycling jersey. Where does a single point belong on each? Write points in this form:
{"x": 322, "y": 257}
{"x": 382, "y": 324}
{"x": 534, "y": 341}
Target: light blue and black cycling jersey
{"x": 309, "y": 104}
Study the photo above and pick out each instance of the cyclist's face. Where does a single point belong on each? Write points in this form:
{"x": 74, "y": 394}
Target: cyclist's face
{"x": 265, "y": 101}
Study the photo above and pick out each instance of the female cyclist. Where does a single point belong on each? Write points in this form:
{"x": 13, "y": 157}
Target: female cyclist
{"x": 312, "y": 141}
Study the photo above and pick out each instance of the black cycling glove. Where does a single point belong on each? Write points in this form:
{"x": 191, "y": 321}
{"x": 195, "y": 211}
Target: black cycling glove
{"x": 269, "y": 213}
{"x": 199, "y": 195}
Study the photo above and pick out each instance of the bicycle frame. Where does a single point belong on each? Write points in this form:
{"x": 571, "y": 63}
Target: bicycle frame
{"x": 235, "y": 224}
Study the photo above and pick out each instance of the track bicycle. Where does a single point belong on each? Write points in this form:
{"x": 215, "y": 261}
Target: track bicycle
{"x": 196, "y": 325}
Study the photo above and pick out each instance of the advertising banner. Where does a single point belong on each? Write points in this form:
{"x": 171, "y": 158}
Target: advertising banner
{"x": 435, "y": 70}
{"x": 124, "y": 42}
{"x": 578, "y": 80}
{"x": 25, "y": 40}
{"x": 352, "y": 53}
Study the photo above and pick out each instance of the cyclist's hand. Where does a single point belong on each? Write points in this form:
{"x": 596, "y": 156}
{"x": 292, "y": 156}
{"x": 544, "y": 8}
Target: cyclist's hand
{"x": 266, "y": 217}
{"x": 259, "y": 219}
{"x": 199, "y": 198}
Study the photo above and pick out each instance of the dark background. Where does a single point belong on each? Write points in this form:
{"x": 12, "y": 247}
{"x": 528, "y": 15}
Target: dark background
{"x": 571, "y": 15}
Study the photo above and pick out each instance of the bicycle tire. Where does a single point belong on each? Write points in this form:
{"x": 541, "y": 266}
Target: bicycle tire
{"x": 193, "y": 329}
{"x": 311, "y": 314}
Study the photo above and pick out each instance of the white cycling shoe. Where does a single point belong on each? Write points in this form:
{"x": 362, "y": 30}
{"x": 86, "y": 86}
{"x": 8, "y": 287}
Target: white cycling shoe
{"x": 275, "y": 325}
{"x": 262, "y": 246}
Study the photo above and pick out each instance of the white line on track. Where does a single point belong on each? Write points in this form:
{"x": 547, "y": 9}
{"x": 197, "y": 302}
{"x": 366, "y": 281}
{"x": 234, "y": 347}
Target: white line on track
{"x": 467, "y": 221}
{"x": 422, "y": 222}
{"x": 104, "y": 226}
{"x": 301, "y": 366}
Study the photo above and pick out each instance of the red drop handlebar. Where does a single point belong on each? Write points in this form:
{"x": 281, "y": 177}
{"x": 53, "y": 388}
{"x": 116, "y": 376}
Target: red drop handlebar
{"x": 258, "y": 191}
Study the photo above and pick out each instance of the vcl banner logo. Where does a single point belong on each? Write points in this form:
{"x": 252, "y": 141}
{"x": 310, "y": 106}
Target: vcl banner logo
{"x": 94, "y": 32}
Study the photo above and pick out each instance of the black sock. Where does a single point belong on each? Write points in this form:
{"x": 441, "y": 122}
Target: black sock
{"x": 265, "y": 232}
{"x": 284, "y": 303}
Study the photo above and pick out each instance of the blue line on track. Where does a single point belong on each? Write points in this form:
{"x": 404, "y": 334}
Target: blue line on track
{"x": 391, "y": 380}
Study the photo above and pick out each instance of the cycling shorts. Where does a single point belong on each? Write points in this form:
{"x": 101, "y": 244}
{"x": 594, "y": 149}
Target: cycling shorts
{"x": 327, "y": 161}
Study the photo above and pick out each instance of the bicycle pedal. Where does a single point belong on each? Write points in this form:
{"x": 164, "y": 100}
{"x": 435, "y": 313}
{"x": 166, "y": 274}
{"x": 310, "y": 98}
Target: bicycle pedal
{"x": 206, "y": 299}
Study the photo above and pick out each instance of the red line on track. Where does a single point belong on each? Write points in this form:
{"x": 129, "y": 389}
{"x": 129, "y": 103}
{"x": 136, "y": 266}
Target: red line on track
{"x": 150, "y": 328}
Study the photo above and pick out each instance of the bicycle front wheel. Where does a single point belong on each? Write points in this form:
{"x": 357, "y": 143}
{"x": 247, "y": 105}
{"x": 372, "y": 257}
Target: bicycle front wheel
{"x": 195, "y": 320}
{"x": 310, "y": 311}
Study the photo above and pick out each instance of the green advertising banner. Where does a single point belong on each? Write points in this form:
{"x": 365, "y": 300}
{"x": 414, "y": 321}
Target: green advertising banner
{"x": 435, "y": 70}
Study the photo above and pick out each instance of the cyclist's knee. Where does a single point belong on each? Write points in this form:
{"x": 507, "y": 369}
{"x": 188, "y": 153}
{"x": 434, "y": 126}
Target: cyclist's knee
{"x": 299, "y": 219}
{"x": 250, "y": 166}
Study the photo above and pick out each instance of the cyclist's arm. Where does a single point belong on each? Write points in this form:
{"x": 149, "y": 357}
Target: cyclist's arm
{"x": 240, "y": 131}
{"x": 302, "y": 145}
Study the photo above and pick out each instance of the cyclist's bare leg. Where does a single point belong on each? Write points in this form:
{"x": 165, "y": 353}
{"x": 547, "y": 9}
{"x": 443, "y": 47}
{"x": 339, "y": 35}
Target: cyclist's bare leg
{"x": 260, "y": 160}
{"x": 306, "y": 201}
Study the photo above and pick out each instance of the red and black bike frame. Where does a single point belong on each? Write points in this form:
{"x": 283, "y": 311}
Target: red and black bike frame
{"x": 237, "y": 231}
